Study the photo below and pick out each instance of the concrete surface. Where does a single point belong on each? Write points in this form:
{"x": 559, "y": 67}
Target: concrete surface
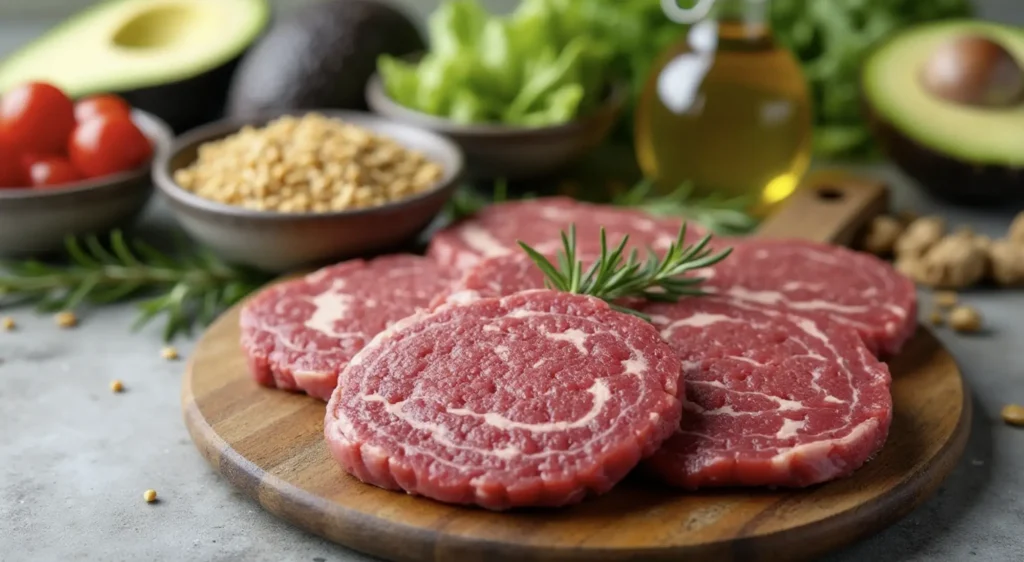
{"x": 75, "y": 457}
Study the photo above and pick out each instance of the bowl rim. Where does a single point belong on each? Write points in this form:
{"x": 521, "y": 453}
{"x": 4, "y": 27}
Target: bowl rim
{"x": 382, "y": 104}
{"x": 165, "y": 183}
{"x": 155, "y": 128}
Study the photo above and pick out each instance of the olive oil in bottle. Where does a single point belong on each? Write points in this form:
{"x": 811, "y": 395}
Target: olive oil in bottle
{"x": 728, "y": 109}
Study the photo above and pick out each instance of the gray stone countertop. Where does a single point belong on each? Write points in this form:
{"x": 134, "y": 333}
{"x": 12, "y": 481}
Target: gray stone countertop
{"x": 75, "y": 457}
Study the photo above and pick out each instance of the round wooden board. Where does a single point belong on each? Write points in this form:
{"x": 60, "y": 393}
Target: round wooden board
{"x": 270, "y": 444}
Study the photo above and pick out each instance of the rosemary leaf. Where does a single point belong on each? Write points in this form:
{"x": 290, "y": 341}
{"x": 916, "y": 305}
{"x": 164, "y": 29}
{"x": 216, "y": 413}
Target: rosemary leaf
{"x": 186, "y": 289}
{"x": 611, "y": 277}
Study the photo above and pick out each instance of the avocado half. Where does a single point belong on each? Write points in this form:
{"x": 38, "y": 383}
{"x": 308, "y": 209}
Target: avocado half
{"x": 962, "y": 153}
{"x": 173, "y": 58}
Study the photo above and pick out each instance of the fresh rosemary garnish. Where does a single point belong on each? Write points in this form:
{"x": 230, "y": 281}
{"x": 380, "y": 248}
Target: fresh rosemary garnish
{"x": 721, "y": 214}
{"x": 614, "y": 276}
{"x": 193, "y": 287}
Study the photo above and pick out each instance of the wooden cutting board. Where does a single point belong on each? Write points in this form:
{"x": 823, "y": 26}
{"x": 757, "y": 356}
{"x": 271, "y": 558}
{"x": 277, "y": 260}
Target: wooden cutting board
{"x": 269, "y": 443}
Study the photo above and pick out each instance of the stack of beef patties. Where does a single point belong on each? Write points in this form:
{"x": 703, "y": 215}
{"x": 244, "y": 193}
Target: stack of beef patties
{"x": 459, "y": 376}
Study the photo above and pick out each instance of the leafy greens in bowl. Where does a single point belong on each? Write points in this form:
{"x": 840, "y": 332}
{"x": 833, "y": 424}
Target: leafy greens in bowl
{"x": 539, "y": 66}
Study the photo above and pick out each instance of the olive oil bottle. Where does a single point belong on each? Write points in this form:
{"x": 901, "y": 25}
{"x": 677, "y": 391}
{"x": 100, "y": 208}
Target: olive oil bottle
{"x": 728, "y": 109}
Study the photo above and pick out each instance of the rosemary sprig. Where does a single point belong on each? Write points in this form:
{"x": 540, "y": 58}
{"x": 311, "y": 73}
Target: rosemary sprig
{"x": 614, "y": 276}
{"x": 193, "y": 288}
{"x": 719, "y": 213}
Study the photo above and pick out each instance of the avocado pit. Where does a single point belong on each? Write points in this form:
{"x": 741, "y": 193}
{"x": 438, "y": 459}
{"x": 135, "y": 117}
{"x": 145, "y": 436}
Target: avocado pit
{"x": 974, "y": 70}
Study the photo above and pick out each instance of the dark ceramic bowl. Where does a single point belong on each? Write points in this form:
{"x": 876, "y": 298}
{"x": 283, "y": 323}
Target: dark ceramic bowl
{"x": 511, "y": 152}
{"x": 37, "y": 221}
{"x": 279, "y": 242}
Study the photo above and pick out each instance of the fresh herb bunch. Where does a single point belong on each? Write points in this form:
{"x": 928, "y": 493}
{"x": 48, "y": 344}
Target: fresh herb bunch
{"x": 193, "y": 287}
{"x": 831, "y": 40}
{"x": 614, "y": 276}
{"x": 721, "y": 214}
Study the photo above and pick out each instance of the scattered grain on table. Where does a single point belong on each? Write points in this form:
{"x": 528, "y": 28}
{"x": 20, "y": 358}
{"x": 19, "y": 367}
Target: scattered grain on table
{"x": 149, "y": 496}
{"x": 169, "y": 353}
{"x": 116, "y": 386}
{"x": 311, "y": 163}
{"x": 1013, "y": 414}
{"x": 8, "y": 323}
{"x": 66, "y": 319}
{"x": 936, "y": 318}
{"x": 965, "y": 319}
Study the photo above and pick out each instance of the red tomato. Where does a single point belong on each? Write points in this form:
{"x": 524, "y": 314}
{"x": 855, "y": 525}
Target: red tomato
{"x": 37, "y": 118}
{"x": 10, "y": 167}
{"x": 48, "y": 171}
{"x": 101, "y": 105}
{"x": 108, "y": 144}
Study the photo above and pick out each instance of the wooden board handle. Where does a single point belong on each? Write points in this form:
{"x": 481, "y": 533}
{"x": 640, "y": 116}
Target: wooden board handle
{"x": 829, "y": 207}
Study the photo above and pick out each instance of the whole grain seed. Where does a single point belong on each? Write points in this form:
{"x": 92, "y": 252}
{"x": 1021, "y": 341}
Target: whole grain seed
{"x": 308, "y": 163}
{"x": 965, "y": 319}
{"x": 1013, "y": 414}
{"x": 66, "y": 319}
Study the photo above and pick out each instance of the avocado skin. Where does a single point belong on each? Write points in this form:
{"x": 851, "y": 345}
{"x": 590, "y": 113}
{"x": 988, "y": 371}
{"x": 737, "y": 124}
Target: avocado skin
{"x": 320, "y": 57}
{"x": 187, "y": 103}
{"x": 947, "y": 178}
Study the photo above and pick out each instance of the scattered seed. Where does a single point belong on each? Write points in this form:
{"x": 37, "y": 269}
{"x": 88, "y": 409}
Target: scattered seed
{"x": 116, "y": 385}
{"x": 8, "y": 323}
{"x": 1013, "y": 414}
{"x": 149, "y": 496}
{"x": 945, "y": 299}
{"x": 169, "y": 353}
{"x": 936, "y": 318}
{"x": 965, "y": 319}
{"x": 66, "y": 319}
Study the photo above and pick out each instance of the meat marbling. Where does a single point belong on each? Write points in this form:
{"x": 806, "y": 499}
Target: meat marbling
{"x": 299, "y": 334}
{"x": 771, "y": 399}
{"x": 823, "y": 282}
{"x": 495, "y": 230}
{"x": 536, "y": 399}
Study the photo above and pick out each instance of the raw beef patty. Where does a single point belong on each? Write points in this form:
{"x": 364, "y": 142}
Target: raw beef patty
{"x": 771, "y": 399}
{"x": 497, "y": 277}
{"x": 822, "y": 282}
{"x": 298, "y": 335}
{"x": 539, "y": 223}
{"x": 536, "y": 399}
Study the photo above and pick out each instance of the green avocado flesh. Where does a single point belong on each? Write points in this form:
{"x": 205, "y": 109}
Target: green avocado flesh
{"x": 892, "y": 88}
{"x": 123, "y": 45}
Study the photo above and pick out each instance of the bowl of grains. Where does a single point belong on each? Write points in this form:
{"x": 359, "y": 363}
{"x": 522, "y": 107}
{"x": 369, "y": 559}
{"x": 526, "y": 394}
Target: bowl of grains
{"x": 299, "y": 189}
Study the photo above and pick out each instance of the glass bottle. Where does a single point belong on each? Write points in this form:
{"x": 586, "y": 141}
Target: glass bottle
{"x": 726, "y": 108}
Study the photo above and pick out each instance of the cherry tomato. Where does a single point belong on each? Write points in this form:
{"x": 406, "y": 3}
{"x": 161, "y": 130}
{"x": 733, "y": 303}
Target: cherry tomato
{"x": 48, "y": 171}
{"x": 108, "y": 144}
{"x": 10, "y": 167}
{"x": 101, "y": 105}
{"x": 37, "y": 118}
